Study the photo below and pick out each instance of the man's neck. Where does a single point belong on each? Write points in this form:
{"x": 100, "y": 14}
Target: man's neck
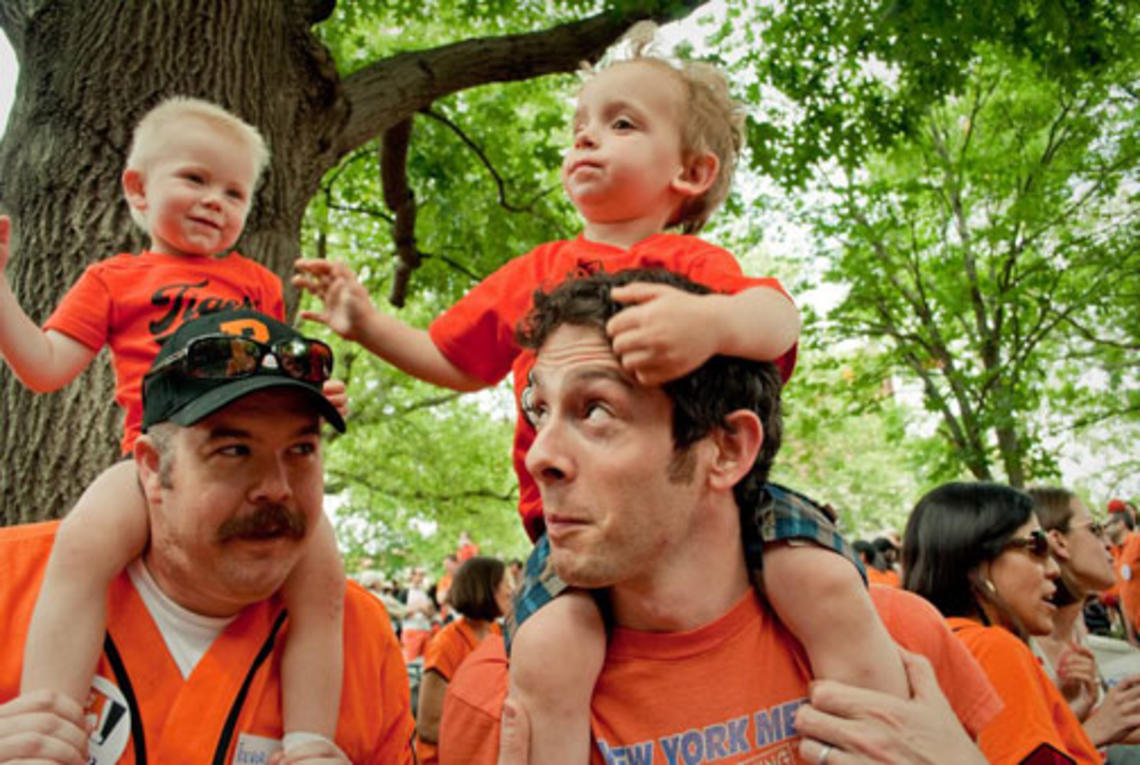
{"x": 180, "y": 589}
{"x": 694, "y": 584}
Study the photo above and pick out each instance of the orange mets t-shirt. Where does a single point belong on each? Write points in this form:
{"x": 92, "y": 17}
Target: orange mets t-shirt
{"x": 132, "y": 302}
{"x": 725, "y": 692}
{"x": 1035, "y": 722}
{"x": 477, "y": 334}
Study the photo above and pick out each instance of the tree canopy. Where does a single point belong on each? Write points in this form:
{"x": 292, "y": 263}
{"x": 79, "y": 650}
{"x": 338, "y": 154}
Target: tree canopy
{"x": 967, "y": 173}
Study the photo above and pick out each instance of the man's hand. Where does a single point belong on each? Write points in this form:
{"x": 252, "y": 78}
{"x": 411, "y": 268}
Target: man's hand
{"x": 514, "y": 735}
{"x": 843, "y": 725}
{"x": 346, "y": 302}
{"x": 664, "y": 333}
{"x": 5, "y": 237}
{"x": 43, "y": 726}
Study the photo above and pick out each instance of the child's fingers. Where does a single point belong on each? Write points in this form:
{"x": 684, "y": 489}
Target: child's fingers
{"x": 318, "y": 316}
{"x": 638, "y": 292}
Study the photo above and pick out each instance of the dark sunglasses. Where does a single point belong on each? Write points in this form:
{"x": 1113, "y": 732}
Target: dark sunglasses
{"x": 1036, "y": 544}
{"x": 229, "y": 357}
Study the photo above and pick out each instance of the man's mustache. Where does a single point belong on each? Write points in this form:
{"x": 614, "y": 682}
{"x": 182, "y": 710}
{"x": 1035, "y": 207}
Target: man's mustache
{"x": 264, "y": 522}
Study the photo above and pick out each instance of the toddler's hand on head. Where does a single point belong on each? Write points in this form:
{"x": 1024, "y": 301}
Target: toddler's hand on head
{"x": 346, "y": 301}
{"x": 663, "y": 333}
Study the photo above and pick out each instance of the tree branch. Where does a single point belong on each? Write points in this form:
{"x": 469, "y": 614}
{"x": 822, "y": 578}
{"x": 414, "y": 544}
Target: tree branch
{"x": 499, "y": 183}
{"x": 389, "y": 91}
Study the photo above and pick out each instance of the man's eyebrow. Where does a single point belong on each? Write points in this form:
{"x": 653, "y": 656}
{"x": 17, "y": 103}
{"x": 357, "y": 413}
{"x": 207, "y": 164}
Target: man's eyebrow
{"x": 603, "y": 373}
{"x": 219, "y": 432}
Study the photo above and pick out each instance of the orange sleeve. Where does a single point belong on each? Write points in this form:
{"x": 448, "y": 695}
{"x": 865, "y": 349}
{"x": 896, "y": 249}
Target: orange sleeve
{"x": 84, "y": 313}
{"x": 1033, "y": 721}
{"x": 442, "y": 651}
{"x": 917, "y": 626}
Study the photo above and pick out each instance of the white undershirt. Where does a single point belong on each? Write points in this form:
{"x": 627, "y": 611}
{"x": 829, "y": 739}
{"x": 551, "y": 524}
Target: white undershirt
{"x": 188, "y": 635}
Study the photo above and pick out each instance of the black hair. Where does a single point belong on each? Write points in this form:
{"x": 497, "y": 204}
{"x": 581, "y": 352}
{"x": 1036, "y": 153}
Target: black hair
{"x": 953, "y": 530}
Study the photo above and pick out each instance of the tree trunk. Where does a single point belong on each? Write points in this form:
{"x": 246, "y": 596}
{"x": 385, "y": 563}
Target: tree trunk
{"x": 89, "y": 70}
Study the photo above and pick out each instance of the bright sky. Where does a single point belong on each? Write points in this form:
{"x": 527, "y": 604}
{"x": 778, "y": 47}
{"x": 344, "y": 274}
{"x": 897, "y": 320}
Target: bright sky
{"x": 7, "y": 80}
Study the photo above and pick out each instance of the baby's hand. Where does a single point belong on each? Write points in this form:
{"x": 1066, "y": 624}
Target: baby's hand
{"x": 5, "y": 236}
{"x": 346, "y": 302}
{"x": 663, "y": 334}
{"x": 337, "y": 394}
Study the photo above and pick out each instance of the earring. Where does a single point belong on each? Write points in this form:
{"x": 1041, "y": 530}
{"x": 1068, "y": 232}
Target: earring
{"x": 989, "y": 587}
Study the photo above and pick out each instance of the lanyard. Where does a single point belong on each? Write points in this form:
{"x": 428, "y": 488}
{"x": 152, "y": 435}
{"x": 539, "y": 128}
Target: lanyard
{"x": 123, "y": 680}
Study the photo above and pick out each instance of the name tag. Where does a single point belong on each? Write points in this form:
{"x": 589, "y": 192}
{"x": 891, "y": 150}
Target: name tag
{"x": 255, "y": 750}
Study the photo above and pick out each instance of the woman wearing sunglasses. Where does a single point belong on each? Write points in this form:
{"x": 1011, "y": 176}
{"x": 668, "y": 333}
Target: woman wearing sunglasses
{"x": 977, "y": 552}
{"x": 1086, "y": 567}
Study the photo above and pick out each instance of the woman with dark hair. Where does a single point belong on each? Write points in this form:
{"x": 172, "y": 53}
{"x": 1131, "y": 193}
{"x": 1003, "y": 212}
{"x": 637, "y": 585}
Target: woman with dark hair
{"x": 977, "y": 552}
{"x": 1086, "y": 567}
{"x": 480, "y": 593}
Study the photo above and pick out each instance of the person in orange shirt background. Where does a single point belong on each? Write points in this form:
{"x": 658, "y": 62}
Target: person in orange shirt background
{"x": 480, "y": 594}
{"x": 1124, "y": 545}
{"x": 978, "y": 553}
{"x": 466, "y": 549}
{"x": 878, "y": 572}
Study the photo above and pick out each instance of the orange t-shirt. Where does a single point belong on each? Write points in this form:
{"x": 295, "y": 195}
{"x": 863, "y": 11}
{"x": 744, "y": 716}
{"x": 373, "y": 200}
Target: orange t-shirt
{"x": 444, "y": 653}
{"x": 1128, "y": 578}
{"x": 741, "y": 678}
{"x": 1035, "y": 714}
{"x": 477, "y": 334}
{"x": 133, "y": 301}
{"x": 888, "y": 578}
{"x": 141, "y": 696}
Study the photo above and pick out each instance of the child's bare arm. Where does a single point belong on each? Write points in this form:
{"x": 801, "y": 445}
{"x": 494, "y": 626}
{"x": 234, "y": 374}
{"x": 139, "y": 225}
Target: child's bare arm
{"x": 313, "y": 662}
{"x": 349, "y": 312}
{"x": 556, "y": 694}
{"x": 104, "y": 532}
{"x": 821, "y": 598}
{"x": 665, "y": 333}
{"x": 43, "y": 361}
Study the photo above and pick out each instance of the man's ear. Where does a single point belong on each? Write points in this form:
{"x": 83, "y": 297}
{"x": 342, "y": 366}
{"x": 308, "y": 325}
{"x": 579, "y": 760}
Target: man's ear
{"x": 737, "y": 445}
{"x": 148, "y": 465}
{"x": 697, "y": 175}
{"x": 1060, "y": 545}
{"x": 134, "y": 189}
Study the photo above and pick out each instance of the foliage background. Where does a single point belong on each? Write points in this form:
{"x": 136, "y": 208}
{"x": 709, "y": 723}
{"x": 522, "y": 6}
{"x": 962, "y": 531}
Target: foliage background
{"x": 848, "y": 100}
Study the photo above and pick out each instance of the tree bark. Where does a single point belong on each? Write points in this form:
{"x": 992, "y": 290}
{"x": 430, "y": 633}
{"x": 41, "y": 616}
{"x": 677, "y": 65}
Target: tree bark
{"x": 89, "y": 70}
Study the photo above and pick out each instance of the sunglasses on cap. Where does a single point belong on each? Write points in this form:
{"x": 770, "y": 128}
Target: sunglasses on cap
{"x": 231, "y": 357}
{"x": 1036, "y": 544}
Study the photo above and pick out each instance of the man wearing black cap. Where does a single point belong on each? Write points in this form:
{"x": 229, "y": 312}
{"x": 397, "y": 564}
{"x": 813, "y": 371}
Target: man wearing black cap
{"x": 230, "y": 466}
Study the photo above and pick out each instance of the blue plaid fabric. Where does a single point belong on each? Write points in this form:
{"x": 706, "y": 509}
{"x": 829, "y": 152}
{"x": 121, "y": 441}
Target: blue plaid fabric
{"x": 783, "y": 515}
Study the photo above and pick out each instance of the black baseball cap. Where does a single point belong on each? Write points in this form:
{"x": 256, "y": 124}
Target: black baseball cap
{"x": 171, "y": 392}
